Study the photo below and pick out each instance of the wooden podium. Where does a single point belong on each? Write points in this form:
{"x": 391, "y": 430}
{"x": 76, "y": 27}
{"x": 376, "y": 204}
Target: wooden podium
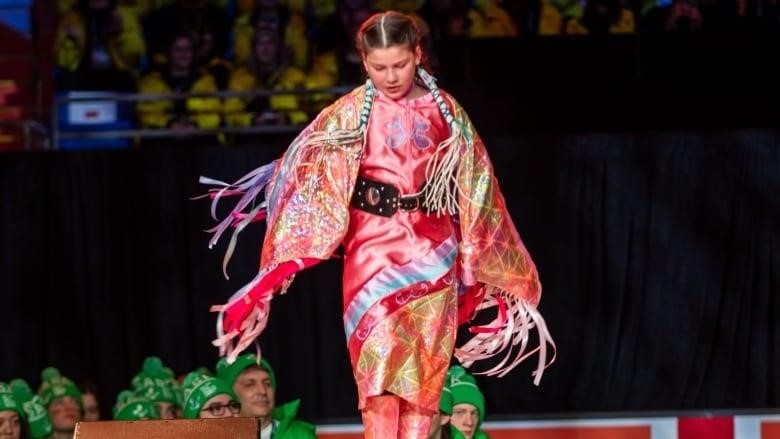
{"x": 224, "y": 428}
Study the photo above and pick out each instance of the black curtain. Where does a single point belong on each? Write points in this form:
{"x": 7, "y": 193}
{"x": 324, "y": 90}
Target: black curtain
{"x": 658, "y": 254}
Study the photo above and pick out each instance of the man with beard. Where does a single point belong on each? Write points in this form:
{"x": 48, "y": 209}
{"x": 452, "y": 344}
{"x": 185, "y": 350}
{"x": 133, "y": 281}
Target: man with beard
{"x": 254, "y": 383}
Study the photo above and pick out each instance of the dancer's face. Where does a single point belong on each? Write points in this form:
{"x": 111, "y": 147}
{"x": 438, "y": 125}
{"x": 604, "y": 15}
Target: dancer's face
{"x": 465, "y": 417}
{"x": 255, "y": 392}
{"x": 392, "y": 69}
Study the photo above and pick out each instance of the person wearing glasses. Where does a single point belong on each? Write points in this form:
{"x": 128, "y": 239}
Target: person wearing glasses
{"x": 208, "y": 397}
{"x": 254, "y": 382}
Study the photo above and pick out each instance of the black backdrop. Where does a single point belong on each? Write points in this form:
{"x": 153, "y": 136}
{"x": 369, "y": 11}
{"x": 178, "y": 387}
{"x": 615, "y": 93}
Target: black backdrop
{"x": 659, "y": 254}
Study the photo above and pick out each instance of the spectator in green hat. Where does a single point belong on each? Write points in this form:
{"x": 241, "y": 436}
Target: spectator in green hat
{"x": 133, "y": 407}
{"x": 254, "y": 383}
{"x": 468, "y": 405}
{"x": 156, "y": 383}
{"x": 206, "y": 397}
{"x": 11, "y": 415}
{"x": 35, "y": 414}
{"x": 62, "y": 399}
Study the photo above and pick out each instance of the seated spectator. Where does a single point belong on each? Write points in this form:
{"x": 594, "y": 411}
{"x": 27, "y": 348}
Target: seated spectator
{"x": 12, "y": 424}
{"x": 207, "y": 397}
{"x": 62, "y": 399}
{"x": 272, "y": 16}
{"x": 266, "y": 70}
{"x": 179, "y": 75}
{"x": 156, "y": 383}
{"x": 193, "y": 17}
{"x": 468, "y": 405}
{"x": 133, "y": 407}
{"x": 601, "y": 17}
{"x": 98, "y": 47}
{"x": 209, "y": 59}
{"x": 487, "y": 19}
{"x": 36, "y": 417}
{"x": 89, "y": 401}
{"x": 255, "y": 385}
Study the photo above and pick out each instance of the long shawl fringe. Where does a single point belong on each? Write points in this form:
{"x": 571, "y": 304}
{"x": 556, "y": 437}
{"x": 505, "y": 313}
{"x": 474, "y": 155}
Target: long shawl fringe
{"x": 509, "y": 333}
{"x": 273, "y": 178}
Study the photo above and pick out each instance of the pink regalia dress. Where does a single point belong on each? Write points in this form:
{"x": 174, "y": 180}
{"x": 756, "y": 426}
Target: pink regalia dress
{"x": 400, "y": 300}
{"x": 442, "y": 256}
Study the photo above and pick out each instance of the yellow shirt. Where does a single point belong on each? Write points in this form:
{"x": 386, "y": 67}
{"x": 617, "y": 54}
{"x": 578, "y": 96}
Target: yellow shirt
{"x": 126, "y": 49}
{"x": 202, "y": 111}
{"x": 243, "y": 79}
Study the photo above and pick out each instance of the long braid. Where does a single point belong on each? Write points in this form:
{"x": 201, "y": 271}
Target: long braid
{"x": 441, "y": 193}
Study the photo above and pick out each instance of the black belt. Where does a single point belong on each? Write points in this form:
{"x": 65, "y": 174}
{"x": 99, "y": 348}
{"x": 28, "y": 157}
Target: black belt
{"x": 383, "y": 199}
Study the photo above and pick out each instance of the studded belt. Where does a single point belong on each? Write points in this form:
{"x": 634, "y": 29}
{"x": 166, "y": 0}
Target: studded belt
{"x": 383, "y": 199}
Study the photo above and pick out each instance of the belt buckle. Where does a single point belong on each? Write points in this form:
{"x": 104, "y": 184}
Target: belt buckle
{"x": 403, "y": 204}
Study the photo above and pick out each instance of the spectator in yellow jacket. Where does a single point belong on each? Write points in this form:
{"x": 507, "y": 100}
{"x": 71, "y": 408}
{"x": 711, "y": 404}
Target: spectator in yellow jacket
{"x": 179, "y": 75}
{"x": 266, "y": 70}
{"x": 96, "y": 43}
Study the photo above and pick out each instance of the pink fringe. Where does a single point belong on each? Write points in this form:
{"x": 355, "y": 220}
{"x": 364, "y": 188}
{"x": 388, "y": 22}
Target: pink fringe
{"x": 509, "y": 335}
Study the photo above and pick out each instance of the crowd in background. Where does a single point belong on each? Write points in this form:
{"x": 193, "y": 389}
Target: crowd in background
{"x": 164, "y": 47}
{"x": 245, "y": 388}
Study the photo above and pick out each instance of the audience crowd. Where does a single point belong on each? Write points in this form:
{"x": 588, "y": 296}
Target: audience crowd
{"x": 245, "y": 388}
{"x": 255, "y": 50}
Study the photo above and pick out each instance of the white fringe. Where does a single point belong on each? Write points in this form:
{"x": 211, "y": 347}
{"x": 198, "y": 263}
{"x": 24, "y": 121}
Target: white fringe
{"x": 511, "y": 337}
{"x": 441, "y": 187}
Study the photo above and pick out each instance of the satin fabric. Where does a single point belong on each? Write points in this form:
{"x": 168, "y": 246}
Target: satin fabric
{"x": 393, "y": 155}
{"x": 399, "y": 284}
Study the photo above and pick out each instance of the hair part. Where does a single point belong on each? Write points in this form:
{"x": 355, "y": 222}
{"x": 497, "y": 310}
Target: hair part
{"x": 388, "y": 29}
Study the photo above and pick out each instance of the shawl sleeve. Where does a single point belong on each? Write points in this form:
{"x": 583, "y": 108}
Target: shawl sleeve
{"x": 496, "y": 269}
{"x": 306, "y": 206}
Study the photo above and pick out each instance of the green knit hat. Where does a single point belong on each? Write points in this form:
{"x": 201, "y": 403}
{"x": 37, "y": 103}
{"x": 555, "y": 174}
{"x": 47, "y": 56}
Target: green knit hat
{"x": 465, "y": 391}
{"x": 35, "y": 412}
{"x": 54, "y": 385}
{"x": 132, "y": 407}
{"x": 229, "y": 372}
{"x": 156, "y": 382}
{"x": 199, "y": 388}
{"x": 176, "y": 386}
{"x": 8, "y": 400}
{"x": 445, "y": 403}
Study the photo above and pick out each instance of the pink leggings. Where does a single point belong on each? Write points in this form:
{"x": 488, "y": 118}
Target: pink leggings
{"x": 388, "y": 416}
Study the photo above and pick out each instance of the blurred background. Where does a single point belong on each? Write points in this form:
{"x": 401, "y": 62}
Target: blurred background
{"x": 636, "y": 142}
